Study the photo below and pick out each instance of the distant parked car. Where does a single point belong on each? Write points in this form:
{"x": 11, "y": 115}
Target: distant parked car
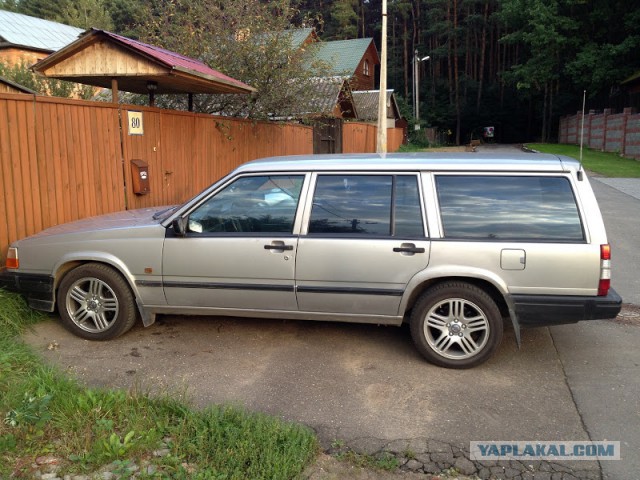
{"x": 451, "y": 243}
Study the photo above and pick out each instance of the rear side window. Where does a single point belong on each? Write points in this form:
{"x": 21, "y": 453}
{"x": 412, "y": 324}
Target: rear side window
{"x": 375, "y": 205}
{"x": 518, "y": 208}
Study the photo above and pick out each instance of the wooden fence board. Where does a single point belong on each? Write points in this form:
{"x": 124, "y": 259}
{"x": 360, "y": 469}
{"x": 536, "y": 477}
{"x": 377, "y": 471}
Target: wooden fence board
{"x": 6, "y": 192}
{"x": 16, "y": 170}
{"x": 45, "y": 172}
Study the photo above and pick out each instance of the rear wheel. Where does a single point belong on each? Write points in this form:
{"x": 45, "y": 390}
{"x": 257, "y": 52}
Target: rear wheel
{"x": 456, "y": 325}
{"x": 96, "y": 303}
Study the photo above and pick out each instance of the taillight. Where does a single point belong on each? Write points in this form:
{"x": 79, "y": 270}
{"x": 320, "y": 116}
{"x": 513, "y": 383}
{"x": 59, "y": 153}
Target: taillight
{"x": 605, "y": 270}
{"x": 12, "y": 258}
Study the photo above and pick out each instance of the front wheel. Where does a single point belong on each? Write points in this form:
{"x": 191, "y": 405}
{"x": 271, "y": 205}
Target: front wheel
{"x": 456, "y": 325}
{"x": 96, "y": 303}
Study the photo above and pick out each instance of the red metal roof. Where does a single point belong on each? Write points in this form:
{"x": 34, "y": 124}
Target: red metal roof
{"x": 172, "y": 59}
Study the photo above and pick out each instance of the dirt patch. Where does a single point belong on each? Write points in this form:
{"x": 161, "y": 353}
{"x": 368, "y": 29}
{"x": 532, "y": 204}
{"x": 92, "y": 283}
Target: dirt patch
{"x": 329, "y": 468}
{"x": 629, "y": 315}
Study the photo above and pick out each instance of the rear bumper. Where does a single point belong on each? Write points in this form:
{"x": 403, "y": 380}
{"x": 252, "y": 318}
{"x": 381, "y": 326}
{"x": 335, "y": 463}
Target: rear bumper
{"x": 37, "y": 288}
{"x": 543, "y": 310}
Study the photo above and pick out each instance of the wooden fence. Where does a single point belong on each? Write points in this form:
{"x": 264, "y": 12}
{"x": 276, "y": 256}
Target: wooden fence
{"x": 63, "y": 160}
{"x": 362, "y": 137}
{"x": 186, "y": 152}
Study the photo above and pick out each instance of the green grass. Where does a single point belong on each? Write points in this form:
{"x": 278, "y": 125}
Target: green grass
{"x": 411, "y": 147}
{"x": 44, "y": 412}
{"x": 603, "y": 163}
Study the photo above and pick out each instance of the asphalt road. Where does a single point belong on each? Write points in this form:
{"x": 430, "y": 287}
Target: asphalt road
{"x": 601, "y": 360}
{"x": 364, "y": 384}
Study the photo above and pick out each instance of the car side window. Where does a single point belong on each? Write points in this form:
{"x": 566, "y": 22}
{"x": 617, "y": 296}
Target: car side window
{"x": 516, "y": 208}
{"x": 253, "y": 204}
{"x": 375, "y": 205}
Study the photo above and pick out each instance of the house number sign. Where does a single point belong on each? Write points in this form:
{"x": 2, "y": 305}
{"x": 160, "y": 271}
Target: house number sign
{"x": 134, "y": 121}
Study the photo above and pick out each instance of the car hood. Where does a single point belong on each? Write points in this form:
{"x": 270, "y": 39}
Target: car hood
{"x": 112, "y": 221}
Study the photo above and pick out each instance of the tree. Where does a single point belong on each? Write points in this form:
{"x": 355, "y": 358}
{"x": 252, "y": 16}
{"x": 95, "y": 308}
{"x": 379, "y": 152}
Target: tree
{"x": 607, "y": 55}
{"x": 9, "y": 5}
{"x": 250, "y": 41}
{"x": 541, "y": 27}
{"x": 343, "y": 20}
{"x": 126, "y": 16}
{"x": 21, "y": 74}
{"x": 86, "y": 14}
{"x": 45, "y": 9}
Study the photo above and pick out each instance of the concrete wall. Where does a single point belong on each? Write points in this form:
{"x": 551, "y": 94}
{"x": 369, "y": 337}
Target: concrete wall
{"x": 606, "y": 131}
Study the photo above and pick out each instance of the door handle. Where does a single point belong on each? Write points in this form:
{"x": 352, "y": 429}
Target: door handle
{"x": 278, "y": 247}
{"x": 408, "y": 248}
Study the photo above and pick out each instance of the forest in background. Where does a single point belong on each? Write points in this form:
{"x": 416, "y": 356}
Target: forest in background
{"x": 517, "y": 65}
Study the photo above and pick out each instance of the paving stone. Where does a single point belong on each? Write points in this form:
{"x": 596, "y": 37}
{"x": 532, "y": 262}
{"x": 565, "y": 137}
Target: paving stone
{"x": 413, "y": 465}
{"x": 431, "y": 467}
{"x": 434, "y": 446}
{"x": 542, "y": 476}
{"x": 444, "y": 458}
{"x": 512, "y": 472}
{"x": 367, "y": 446}
{"x": 465, "y": 466}
{"x": 556, "y": 467}
{"x": 484, "y": 473}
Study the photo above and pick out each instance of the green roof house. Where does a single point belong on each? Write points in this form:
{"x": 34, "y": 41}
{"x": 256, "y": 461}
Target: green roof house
{"x": 355, "y": 59}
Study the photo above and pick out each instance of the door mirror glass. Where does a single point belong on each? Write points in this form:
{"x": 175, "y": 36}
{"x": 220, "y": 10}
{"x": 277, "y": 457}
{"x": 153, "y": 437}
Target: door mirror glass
{"x": 179, "y": 226}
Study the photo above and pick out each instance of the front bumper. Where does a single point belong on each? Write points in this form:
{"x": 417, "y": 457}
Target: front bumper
{"x": 545, "y": 310}
{"x": 37, "y": 288}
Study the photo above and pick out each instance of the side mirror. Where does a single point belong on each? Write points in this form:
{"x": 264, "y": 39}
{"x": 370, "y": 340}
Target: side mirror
{"x": 179, "y": 226}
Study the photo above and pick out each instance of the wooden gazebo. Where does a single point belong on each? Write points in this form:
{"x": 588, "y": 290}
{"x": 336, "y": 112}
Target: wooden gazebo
{"x": 105, "y": 59}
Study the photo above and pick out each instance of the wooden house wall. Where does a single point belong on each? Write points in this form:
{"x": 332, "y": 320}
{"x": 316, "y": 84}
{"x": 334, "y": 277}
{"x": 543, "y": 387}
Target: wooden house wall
{"x": 13, "y": 55}
{"x": 361, "y": 81}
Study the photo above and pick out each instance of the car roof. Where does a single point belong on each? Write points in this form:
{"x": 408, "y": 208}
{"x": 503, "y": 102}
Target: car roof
{"x": 480, "y": 162}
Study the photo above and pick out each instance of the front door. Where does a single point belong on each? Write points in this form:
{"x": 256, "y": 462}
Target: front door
{"x": 239, "y": 249}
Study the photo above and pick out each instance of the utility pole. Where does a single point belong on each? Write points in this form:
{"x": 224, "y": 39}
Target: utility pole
{"x": 416, "y": 86}
{"x": 382, "y": 99}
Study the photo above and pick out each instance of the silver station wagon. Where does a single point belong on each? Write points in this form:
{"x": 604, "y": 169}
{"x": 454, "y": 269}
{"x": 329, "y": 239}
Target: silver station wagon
{"x": 454, "y": 244}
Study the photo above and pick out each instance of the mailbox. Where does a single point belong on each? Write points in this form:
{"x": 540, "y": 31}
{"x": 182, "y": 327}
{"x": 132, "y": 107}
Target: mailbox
{"x": 140, "y": 177}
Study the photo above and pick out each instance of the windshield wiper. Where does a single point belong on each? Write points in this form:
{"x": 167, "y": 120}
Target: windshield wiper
{"x": 161, "y": 213}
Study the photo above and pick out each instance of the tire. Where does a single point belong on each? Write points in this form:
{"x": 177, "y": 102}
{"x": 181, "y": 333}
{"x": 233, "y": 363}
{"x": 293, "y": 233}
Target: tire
{"x": 456, "y": 325}
{"x": 96, "y": 303}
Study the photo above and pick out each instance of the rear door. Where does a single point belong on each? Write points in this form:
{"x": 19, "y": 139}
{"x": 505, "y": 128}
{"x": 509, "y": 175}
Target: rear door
{"x": 364, "y": 238}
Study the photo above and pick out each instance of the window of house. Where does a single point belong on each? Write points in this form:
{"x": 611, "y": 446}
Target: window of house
{"x": 366, "y": 68}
